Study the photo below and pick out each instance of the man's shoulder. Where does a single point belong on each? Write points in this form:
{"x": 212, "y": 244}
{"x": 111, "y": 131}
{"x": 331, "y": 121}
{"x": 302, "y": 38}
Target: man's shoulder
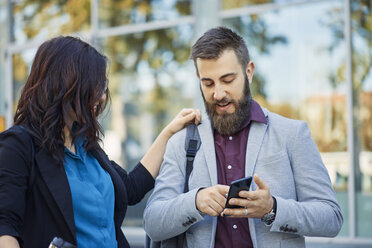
{"x": 285, "y": 124}
{"x": 180, "y": 136}
{"x": 281, "y": 119}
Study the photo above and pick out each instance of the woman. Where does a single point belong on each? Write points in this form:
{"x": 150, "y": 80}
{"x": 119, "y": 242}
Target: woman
{"x": 55, "y": 180}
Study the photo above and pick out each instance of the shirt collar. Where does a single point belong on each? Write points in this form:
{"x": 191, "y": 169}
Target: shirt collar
{"x": 80, "y": 151}
{"x": 255, "y": 114}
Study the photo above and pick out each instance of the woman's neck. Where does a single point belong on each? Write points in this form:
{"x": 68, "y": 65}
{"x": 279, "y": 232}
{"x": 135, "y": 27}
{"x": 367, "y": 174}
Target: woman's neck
{"x": 68, "y": 140}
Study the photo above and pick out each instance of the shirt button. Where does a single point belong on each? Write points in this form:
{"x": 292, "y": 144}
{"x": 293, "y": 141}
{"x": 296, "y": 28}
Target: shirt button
{"x": 230, "y": 137}
{"x": 229, "y": 167}
{"x": 235, "y": 226}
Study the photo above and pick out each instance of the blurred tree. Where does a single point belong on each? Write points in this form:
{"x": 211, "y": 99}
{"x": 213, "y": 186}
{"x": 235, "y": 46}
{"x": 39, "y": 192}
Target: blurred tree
{"x": 232, "y": 4}
{"x": 55, "y": 17}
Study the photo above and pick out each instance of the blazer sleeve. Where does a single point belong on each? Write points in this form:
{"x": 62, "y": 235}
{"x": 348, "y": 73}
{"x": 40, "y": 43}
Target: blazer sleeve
{"x": 137, "y": 182}
{"x": 315, "y": 212}
{"x": 168, "y": 205}
{"x": 15, "y": 153}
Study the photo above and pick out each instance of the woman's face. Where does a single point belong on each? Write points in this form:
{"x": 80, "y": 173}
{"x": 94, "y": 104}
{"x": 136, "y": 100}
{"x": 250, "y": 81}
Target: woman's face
{"x": 101, "y": 100}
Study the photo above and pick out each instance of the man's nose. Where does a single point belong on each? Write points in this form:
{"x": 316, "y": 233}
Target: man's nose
{"x": 219, "y": 93}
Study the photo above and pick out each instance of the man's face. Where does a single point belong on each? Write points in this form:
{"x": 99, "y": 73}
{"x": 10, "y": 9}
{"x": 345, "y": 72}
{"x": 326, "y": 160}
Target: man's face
{"x": 225, "y": 90}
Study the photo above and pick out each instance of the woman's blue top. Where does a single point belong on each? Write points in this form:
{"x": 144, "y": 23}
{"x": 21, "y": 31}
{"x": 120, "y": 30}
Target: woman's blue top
{"x": 93, "y": 199}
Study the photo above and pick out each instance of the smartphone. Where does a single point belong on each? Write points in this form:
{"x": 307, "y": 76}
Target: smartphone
{"x": 235, "y": 187}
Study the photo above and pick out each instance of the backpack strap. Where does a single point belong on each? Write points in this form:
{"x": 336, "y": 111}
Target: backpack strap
{"x": 192, "y": 145}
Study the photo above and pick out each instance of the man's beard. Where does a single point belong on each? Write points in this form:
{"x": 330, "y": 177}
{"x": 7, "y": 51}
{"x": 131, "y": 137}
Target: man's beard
{"x": 229, "y": 124}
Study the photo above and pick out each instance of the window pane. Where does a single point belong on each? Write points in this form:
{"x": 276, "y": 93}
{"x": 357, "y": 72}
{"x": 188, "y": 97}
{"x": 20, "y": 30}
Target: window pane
{"x": 297, "y": 64}
{"x": 148, "y": 87}
{"x": 39, "y": 20}
{"x": 115, "y": 13}
{"x": 362, "y": 81}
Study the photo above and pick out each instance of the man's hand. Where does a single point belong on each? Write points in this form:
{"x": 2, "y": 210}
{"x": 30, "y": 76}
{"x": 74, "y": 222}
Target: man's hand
{"x": 212, "y": 200}
{"x": 255, "y": 203}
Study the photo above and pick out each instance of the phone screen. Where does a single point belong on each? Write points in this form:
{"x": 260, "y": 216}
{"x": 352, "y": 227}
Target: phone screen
{"x": 235, "y": 187}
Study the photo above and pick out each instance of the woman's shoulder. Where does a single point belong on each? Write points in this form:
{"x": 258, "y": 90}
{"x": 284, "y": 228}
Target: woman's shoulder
{"x": 15, "y": 149}
{"x": 16, "y": 130}
{"x": 17, "y": 136}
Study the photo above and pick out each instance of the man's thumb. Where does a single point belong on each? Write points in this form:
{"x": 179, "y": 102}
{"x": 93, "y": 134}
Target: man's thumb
{"x": 260, "y": 183}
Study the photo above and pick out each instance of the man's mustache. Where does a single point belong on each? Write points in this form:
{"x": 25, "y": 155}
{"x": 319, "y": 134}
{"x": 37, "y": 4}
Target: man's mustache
{"x": 223, "y": 102}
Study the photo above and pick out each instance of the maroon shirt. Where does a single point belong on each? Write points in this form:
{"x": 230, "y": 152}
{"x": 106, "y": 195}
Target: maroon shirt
{"x": 230, "y": 154}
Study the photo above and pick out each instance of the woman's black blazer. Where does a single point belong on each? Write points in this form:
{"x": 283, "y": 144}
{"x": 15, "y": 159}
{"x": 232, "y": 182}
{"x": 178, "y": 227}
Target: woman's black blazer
{"x": 36, "y": 214}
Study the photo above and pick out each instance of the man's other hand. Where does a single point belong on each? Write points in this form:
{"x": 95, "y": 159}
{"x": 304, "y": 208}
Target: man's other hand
{"x": 212, "y": 200}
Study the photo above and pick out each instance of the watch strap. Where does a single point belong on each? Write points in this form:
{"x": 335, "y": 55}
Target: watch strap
{"x": 269, "y": 218}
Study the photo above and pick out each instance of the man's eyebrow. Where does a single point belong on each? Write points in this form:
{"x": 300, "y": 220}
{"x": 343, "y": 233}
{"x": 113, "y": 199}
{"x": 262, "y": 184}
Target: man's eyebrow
{"x": 206, "y": 79}
{"x": 228, "y": 74}
{"x": 222, "y": 77}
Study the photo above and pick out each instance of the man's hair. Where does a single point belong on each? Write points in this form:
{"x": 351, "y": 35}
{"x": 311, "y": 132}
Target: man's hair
{"x": 67, "y": 74}
{"x": 216, "y": 40}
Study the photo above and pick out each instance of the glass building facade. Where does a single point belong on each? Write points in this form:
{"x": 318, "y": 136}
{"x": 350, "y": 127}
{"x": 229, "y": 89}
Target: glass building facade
{"x": 313, "y": 62}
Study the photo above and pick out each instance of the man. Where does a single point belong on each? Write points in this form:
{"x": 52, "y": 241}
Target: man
{"x": 291, "y": 195}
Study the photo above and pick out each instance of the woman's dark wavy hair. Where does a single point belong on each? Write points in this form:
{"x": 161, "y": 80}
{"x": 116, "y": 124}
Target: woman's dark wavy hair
{"x": 67, "y": 74}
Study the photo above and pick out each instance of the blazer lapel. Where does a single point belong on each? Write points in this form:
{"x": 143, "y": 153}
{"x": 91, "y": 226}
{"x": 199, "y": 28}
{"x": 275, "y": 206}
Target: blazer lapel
{"x": 254, "y": 143}
{"x": 56, "y": 180}
{"x": 206, "y": 136}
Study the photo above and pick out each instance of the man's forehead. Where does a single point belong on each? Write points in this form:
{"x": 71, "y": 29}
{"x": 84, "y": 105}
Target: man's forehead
{"x": 227, "y": 62}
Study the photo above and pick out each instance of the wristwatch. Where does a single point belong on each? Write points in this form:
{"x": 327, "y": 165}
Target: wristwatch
{"x": 269, "y": 218}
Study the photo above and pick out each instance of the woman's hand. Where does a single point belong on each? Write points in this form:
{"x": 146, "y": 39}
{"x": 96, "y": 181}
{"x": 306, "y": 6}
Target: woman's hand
{"x": 183, "y": 118}
{"x": 154, "y": 156}
{"x": 7, "y": 241}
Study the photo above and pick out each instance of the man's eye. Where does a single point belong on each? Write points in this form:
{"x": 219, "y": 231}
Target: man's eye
{"x": 228, "y": 81}
{"x": 209, "y": 84}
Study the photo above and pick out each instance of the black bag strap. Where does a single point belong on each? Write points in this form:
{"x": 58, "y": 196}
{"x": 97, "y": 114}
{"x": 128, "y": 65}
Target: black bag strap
{"x": 192, "y": 145}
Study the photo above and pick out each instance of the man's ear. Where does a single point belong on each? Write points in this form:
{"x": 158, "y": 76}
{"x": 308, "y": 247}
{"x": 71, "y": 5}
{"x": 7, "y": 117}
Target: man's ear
{"x": 249, "y": 70}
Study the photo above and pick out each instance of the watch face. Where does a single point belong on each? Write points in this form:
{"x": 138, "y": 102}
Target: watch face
{"x": 269, "y": 218}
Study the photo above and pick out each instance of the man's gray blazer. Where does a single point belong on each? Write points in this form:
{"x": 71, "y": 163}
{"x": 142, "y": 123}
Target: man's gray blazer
{"x": 282, "y": 153}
